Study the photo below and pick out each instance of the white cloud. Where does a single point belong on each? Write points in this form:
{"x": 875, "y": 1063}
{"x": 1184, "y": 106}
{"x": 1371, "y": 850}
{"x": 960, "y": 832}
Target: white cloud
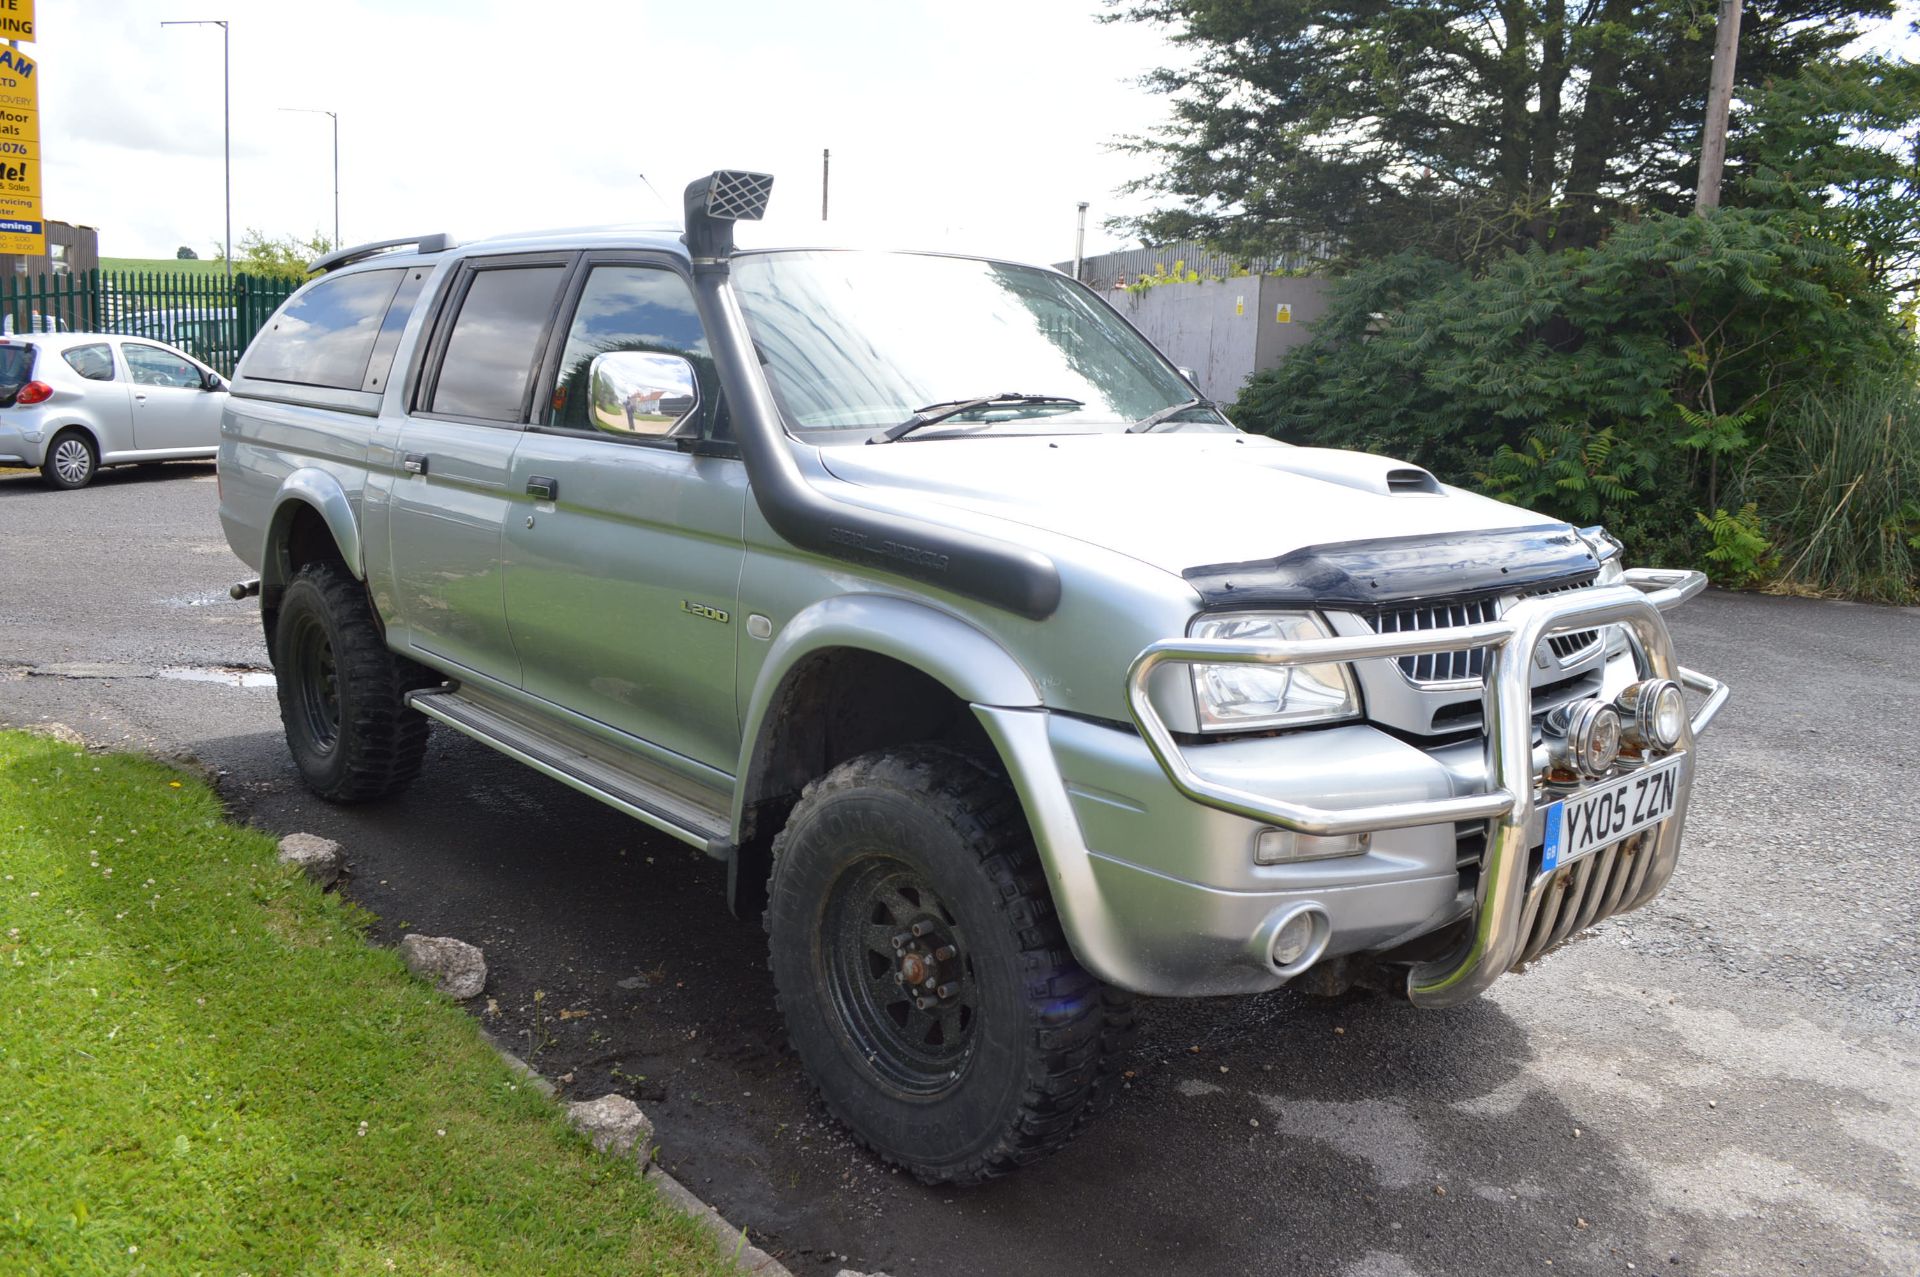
{"x": 973, "y": 127}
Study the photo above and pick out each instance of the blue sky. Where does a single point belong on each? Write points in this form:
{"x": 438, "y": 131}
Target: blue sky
{"x": 969, "y": 125}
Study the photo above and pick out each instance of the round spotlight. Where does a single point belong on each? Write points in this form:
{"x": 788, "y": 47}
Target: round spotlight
{"x": 1583, "y": 737}
{"x": 1291, "y": 938}
{"x": 1294, "y": 940}
{"x": 1653, "y": 714}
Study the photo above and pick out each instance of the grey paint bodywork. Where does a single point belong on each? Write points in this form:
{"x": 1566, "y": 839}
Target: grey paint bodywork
{"x": 671, "y": 716}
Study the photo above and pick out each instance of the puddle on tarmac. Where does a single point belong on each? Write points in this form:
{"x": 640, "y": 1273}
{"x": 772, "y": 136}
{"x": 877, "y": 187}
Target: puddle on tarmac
{"x": 231, "y": 675}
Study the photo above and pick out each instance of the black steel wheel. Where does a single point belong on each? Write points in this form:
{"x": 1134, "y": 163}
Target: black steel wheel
{"x": 899, "y": 977}
{"x": 307, "y": 651}
{"x": 920, "y": 965}
{"x": 343, "y": 692}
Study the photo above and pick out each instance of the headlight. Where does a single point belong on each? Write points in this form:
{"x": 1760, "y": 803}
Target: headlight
{"x": 1606, "y": 547}
{"x": 1240, "y": 697}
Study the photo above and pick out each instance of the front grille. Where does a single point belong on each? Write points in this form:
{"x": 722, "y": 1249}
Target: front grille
{"x": 1567, "y": 646}
{"x": 1439, "y": 667}
{"x": 1432, "y": 668}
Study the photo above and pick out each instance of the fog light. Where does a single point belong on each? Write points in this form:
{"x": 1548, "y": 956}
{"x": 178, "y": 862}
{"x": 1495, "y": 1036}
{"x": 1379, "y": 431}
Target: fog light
{"x": 1293, "y": 937}
{"x": 1283, "y": 846}
{"x": 1583, "y": 737}
{"x": 1653, "y": 714}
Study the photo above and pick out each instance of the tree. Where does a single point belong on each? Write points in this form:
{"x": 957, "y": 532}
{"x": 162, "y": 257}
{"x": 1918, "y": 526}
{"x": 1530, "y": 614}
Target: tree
{"x": 280, "y": 257}
{"x": 185, "y": 254}
{"x": 1457, "y": 128}
{"x": 1839, "y": 143}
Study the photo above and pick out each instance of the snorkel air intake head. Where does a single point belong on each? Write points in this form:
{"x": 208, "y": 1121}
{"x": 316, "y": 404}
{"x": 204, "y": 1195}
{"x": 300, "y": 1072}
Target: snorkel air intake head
{"x": 718, "y": 200}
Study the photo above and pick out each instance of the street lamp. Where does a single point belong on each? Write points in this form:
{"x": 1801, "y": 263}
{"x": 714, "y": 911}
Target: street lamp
{"x": 226, "y": 108}
{"x": 335, "y": 117}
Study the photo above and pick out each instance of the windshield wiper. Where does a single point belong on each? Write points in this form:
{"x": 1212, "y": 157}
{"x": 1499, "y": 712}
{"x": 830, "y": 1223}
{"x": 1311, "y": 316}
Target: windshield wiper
{"x": 935, "y": 412}
{"x": 1146, "y": 424}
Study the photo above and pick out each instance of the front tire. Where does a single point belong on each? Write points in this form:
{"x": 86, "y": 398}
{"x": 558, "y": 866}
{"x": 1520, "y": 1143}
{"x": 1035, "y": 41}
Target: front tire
{"x": 921, "y": 968}
{"x": 71, "y": 461}
{"x": 342, "y": 691}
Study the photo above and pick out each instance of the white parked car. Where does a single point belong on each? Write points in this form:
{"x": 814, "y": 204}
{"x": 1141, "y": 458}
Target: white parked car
{"x": 73, "y": 402}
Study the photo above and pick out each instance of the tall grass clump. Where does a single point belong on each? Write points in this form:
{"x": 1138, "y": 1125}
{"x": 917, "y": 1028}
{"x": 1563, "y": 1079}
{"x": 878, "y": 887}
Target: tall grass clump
{"x": 1838, "y": 486}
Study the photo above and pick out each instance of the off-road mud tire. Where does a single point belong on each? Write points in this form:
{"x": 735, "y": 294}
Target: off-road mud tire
{"x": 952, "y": 819}
{"x": 352, "y": 736}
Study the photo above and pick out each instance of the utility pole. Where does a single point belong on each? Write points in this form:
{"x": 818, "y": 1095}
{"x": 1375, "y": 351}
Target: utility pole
{"x": 226, "y": 111}
{"x": 825, "y": 155}
{"x": 1080, "y": 242}
{"x": 1713, "y": 140}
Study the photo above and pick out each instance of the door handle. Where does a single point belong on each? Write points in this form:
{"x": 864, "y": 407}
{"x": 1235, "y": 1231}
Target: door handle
{"x": 539, "y": 485}
{"x": 415, "y": 463}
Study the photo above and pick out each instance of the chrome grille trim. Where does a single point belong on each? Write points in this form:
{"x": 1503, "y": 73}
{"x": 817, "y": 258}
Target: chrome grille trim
{"x": 1434, "y": 669}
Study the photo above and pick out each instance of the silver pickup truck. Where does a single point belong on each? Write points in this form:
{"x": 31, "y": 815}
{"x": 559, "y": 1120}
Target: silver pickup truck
{"x": 1007, "y": 677}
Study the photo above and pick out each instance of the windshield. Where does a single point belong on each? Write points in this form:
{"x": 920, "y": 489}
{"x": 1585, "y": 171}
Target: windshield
{"x": 853, "y": 342}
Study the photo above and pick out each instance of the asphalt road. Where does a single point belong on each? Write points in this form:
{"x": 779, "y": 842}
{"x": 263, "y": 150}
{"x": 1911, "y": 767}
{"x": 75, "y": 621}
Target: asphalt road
{"x": 1724, "y": 1082}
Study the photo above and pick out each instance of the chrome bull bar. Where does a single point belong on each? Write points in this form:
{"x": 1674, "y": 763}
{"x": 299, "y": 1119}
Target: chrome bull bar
{"x": 1509, "y": 802}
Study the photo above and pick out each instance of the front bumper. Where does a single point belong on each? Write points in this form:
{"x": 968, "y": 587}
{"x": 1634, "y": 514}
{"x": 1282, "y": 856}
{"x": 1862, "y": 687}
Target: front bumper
{"x": 1149, "y": 843}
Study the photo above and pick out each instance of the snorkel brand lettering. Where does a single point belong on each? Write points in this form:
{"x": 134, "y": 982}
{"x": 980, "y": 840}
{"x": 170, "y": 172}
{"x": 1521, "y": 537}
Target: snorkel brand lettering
{"x": 913, "y": 554}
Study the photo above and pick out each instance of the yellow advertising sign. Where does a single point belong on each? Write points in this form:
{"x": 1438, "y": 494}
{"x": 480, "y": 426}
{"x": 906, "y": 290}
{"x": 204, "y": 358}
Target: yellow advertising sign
{"x": 16, "y": 20}
{"x": 22, "y": 229}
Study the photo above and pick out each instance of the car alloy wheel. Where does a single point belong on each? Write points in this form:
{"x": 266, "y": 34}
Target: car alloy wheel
{"x": 73, "y": 461}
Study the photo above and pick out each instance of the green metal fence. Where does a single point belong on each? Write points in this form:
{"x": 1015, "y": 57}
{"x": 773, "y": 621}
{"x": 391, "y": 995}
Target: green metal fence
{"x": 202, "y": 314}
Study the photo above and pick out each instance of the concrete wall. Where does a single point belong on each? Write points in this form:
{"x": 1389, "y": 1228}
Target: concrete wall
{"x": 1226, "y": 330}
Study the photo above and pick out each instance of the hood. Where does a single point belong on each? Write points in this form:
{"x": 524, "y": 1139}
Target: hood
{"x": 1177, "y": 501}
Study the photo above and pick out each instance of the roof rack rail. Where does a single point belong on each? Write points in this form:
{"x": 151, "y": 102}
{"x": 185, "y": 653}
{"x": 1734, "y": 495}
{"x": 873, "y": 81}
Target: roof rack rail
{"x": 360, "y": 252}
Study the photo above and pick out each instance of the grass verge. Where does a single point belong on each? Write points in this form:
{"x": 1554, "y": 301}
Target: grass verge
{"x": 205, "y": 1068}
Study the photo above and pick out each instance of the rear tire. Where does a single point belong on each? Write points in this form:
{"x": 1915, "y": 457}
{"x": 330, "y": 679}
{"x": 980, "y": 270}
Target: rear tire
{"x": 925, "y": 981}
{"x": 71, "y": 461}
{"x": 342, "y": 691}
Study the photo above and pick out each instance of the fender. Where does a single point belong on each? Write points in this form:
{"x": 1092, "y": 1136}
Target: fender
{"x": 314, "y": 487}
{"x": 972, "y": 665}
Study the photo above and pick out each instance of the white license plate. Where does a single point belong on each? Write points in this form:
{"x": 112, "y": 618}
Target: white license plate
{"x": 1597, "y": 817}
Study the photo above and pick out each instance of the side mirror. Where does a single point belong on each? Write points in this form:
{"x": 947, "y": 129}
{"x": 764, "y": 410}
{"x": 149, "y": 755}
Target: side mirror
{"x": 637, "y": 392}
{"x": 1189, "y": 374}
{"x": 212, "y": 381}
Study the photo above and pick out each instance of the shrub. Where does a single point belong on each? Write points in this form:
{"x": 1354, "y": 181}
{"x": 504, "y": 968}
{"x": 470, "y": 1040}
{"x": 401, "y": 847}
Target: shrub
{"x": 1621, "y": 384}
{"x": 1839, "y": 478}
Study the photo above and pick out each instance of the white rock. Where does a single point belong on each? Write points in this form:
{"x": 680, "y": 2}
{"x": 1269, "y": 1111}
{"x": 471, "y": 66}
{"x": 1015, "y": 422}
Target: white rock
{"x": 614, "y": 1123}
{"x": 457, "y": 968}
{"x": 848, "y": 1272}
{"x": 316, "y": 857}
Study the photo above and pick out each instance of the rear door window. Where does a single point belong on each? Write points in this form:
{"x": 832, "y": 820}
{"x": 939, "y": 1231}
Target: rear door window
{"x": 16, "y": 364}
{"x": 325, "y": 336}
{"x": 496, "y": 343}
{"x": 94, "y": 362}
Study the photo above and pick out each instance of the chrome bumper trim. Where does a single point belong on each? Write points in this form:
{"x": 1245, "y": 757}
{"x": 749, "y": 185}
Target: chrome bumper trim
{"x": 1508, "y": 804}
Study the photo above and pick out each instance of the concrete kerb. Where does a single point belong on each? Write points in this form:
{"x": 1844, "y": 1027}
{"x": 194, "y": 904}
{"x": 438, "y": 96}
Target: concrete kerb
{"x": 731, "y": 1241}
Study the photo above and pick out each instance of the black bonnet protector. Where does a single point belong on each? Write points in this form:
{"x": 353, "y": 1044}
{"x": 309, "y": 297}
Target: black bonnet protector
{"x": 1368, "y": 574}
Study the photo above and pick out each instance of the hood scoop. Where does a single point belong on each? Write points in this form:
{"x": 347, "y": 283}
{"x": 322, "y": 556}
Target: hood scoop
{"x": 1361, "y": 471}
{"x": 1408, "y": 480}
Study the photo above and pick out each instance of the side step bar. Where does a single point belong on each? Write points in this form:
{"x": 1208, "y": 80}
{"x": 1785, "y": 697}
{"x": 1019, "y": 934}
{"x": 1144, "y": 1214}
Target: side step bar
{"x": 668, "y": 812}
